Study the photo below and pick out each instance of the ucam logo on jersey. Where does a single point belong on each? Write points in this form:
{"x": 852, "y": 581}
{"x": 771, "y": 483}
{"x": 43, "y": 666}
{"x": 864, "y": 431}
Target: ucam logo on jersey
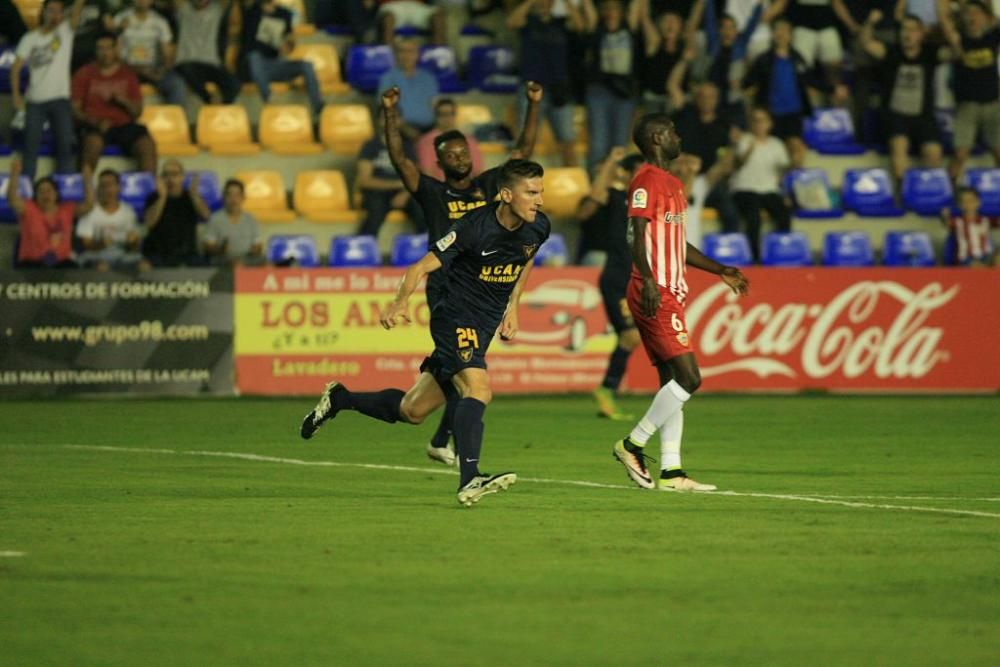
{"x": 639, "y": 198}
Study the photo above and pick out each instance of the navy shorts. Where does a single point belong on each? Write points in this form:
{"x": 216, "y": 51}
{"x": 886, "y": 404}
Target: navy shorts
{"x": 616, "y": 307}
{"x": 437, "y": 287}
{"x": 459, "y": 343}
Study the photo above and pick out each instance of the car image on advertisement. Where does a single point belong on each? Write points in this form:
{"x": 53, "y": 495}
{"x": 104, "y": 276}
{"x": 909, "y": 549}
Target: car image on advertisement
{"x": 563, "y": 313}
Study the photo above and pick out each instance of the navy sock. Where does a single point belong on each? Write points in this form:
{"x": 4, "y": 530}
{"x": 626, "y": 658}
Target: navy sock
{"x": 469, "y": 437}
{"x": 382, "y": 405}
{"x": 446, "y": 427}
{"x": 616, "y": 368}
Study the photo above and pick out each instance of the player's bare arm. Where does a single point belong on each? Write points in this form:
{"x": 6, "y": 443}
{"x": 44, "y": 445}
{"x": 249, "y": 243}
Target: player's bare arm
{"x": 525, "y": 144}
{"x": 730, "y": 275}
{"x": 509, "y": 325}
{"x": 407, "y": 286}
{"x": 404, "y": 166}
{"x": 637, "y": 241}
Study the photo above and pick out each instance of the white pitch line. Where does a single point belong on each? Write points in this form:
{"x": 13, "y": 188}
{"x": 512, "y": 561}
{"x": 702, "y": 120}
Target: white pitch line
{"x": 12, "y": 554}
{"x": 822, "y": 500}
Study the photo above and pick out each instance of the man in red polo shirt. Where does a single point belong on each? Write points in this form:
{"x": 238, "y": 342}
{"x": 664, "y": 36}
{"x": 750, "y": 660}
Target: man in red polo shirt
{"x": 106, "y": 104}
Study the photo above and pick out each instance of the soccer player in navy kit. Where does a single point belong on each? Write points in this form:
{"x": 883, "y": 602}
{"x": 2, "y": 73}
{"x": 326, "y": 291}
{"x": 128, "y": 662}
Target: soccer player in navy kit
{"x": 488, "y": 257}
{"x": 444, "y": 202}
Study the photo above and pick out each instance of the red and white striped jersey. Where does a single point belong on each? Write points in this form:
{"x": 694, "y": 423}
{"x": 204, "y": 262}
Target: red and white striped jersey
{"x": 658, "y": 196}
{"x": 972, "y": 237}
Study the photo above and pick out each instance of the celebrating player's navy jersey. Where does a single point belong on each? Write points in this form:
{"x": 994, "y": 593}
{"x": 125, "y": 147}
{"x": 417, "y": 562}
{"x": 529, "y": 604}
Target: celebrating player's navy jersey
{"x": 436, "y": 197}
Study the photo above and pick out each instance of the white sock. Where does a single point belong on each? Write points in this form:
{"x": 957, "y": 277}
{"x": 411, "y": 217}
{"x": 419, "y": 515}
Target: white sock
{"x": 667, "y": 402}
{"x": 670, "y": 442}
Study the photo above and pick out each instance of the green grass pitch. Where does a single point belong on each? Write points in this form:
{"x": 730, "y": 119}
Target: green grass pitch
{"x": 829, "y": 553}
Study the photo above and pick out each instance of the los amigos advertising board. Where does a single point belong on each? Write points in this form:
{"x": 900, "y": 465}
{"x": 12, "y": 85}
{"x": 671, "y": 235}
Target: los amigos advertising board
{"x": 799, "y": 329}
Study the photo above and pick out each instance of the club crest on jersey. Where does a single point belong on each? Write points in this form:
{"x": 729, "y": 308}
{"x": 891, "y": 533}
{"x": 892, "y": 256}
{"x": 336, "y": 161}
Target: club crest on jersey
{"x": 682, "y": 338}
{"x": 639, "y": 198}
{"x": 444, "y": 242}
{"x": 529, "y": 250}
{"x": 465, "y": 355}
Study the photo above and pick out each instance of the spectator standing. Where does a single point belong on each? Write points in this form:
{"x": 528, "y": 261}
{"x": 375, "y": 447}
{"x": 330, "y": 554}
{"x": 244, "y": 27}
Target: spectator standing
{"x": 726, "y": 57}
{"x": 199, "y": 61}
{"x": 976, "y": 82}
{"x": 761, "y": 161}
{"x": 815, "y": 37}
{"x": 110, "y": 231}
{"x": 662, "y": 50}
{"x": 96, "y": 18}
{"x": 599, "y": 211}
{"x": 379, "y": 187}
{"x": 45, "y": 222}
{"x": 867, "y": 77}
{"x": 611, "y": 93}
{"x": 971, "y": 230}
{"x": 908, "y": 100}
{"x": 146, "y": 41}
{"x": 171, "y": 217}
{"x": 445, "y": 120}
{"x": 779, "y": 80}
{"x": 268, "y": 42}
{"x": 107, "y": 103}
{"x": 48, "y": 52}
{"x": 423, "y": 16}
{"x": 545, "y": 41}
{"x": 232, "y": 235}
{"x": 417, "y": 87}
{"x": 707, "y": 135}
{"x": 358, "y": 14}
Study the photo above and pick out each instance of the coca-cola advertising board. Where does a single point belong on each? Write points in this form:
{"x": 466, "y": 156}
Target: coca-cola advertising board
{"x": 836, "y": 329}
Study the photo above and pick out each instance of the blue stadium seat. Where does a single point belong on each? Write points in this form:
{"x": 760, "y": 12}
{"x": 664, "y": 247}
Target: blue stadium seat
{"x": 831, "y": 132}
{"x": 366, "y": 63}
{"x": 927, "y": 191}
{"x": 731, "y": 249}
{"x": 869, "y": 192}
{"x": 786, "y": 249}
{"x": 293, "y": 251}
{"x": 354, "y": 251}
{"x": 987, "y": 183}
{"x": 491, "y": 69}
{"x": 553, "y": 252}
{"x": 442, "y": 63}
{"x": 907, "y": 249}
{"x": 70, "y": 186}
{"x": 24, "y": 187}
{"x": 136, "y": 187}
{"x": 847, "y": 249}
{"x": 811, "y": 191}
{"x": 208, "y": 187}
{"x": 408, "y": 249}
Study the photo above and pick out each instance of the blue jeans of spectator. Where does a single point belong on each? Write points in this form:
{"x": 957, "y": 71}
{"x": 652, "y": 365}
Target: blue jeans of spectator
{"x": 609, "y": 122}
{"x": 59, "y": 113}
{"x": 264, "y": 70}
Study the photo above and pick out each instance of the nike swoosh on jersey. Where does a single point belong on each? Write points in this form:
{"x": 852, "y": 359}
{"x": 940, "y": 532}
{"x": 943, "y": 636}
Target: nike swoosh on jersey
{"x": 489, "y": 253}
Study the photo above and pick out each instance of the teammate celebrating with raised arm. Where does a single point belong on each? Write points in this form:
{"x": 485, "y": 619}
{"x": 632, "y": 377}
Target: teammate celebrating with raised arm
{"x": 656, "y": 293}
{"x": 488, "y": 257}
{"x": 444, "y": 202}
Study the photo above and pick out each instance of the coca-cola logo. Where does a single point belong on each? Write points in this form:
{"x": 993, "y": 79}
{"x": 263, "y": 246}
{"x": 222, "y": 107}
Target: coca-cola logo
{"x": 845, "y": 335}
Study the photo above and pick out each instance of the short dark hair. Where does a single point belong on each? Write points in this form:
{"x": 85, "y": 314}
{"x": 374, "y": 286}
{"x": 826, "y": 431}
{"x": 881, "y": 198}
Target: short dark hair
{"x": 443, "y": 138}
{"x": 516, "y": 170}
{"x": 646, "y": 126}
{"x": 981, "y": 5}
{"x": 51, "y": 181}
{"x": 105, "y": 34}
{"x": 444, "y": 101}
{"x": 234, "y": 183}
{"x": 912, "y": 17}
{"x": 110, "y": 172}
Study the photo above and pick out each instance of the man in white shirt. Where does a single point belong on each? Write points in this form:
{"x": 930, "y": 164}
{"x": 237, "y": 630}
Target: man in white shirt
{"x": 110, "y": 232}
{"x": 48, "y": 52}
{"x": 147, "y": 47}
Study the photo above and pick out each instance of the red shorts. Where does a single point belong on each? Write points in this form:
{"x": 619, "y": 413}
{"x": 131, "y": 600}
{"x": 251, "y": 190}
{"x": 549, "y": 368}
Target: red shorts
{"x": 665, "y": 335}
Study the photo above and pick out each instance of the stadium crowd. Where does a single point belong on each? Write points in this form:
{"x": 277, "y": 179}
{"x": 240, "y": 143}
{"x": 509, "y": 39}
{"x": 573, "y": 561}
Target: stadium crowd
{"x": 742, "y": 79}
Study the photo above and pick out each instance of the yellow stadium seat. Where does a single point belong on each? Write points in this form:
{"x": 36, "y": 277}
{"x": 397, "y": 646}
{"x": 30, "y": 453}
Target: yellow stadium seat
{"x": 564, "y": 188}
{"x": 471, "y": 116}
{"x": 287, "y": 129}
{"x": 265, "y": 195}
{"x": 325, "y": 62}
{"x": 224, "y": 129}
{"x": 168, "y": 125}
{"x": 301, "y": 23}
{"x": 343, "y": 128}
{"x": 322, "y": 196}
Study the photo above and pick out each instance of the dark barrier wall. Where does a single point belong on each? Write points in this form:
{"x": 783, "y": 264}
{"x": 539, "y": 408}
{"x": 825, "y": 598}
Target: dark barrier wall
{"x": 83, "y": 332}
